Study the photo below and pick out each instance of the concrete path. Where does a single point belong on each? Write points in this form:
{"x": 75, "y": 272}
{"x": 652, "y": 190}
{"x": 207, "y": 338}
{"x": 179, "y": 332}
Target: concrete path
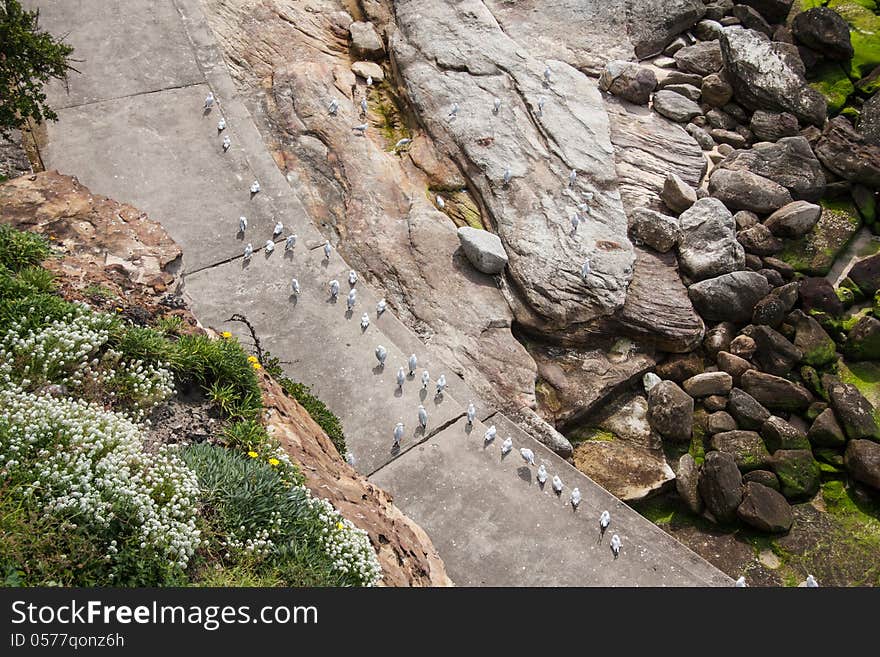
{"x": 132, "y": 127}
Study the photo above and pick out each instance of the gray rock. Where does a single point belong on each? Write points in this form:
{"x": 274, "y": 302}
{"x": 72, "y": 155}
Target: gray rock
{"x": 775, "y": 11}
{"x": 794, "y": 219}
{"x": 721, "y": 486}
{"x": 677, "y": 44}
{"x": 659, "y": 231}
{"x": 743, "y": 190}
{"x": 745, "y": 219}
{"x": 772, "y": 126}
{"x": 729, "y": 137}
{"x": 680, "y": 77}
{"x": 677, "y": 194}
{"x": 729, "y": 297}
{"x": 856, "y": 414}
{"x": 628, "y": 80}
{"x": 862, "y": 459}
{"x": 687, "y": 481}
{"x": 774, "y": 353}
{"x": 746, "y": 410}
{"x": 652, "y": 24}
{"x": 707, "y": 30}
{"x": 759, "y": 240}
{"x": 763, "y": 477}
{"x": 484, "y": 249}
{"x": 733, "y": 365}
{"x": 812, "y": 341}
{"x": 701, "y": 58}
{"x": 763, "y": 76}
{"x": 716, "y": 90}
{"x": 825, "y": 431}
{"x": 779, "y": 434}
{"x": 368, "y": 69}
{"x": 751, "y": 19}
{"x": 708, "y": 245}
{"x": 769, "y": 311}
{"x": 664, "y": 62}
{"x": 675, "y": 106}
{"x": 866, "y": 274}
{"x": 671, "y": 411}
{"x": 765, "y": 509}
{"x": 863, "y": 339}
{"x": 720, "y": 421}
{"x": 708, "y": 383}
{"x": 703, "y": 138}
{"x": 775, "y": 392}
{"x": 717, "y": 9}
{"x": 825, "y": 31}
{"x": 365, "y": 41}
{"x": 720, "y": 119}
{"x": 688, "y": 91}
{"x": 789, "y": 162}
{"x": 718, "y": 338}
{"x": 799, "y": 474}
{"x": 869, "y": 120}
{"x": 848, "y": 154}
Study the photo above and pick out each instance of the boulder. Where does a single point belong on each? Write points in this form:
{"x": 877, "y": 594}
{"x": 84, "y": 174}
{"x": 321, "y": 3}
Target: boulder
{"x": 866, "y": 274}
{"x": 628, "y": 80}
{"x": 799, "y": 474}
{"x": 773, "y": 352}
{"x": 769, "y": 311}
{"x": 720, "y": 486}
{"x": 779, "y": 434}
{"x": 675, "y": 106}
{"x": 715, "y": 11}
{"x": 848, "y": 154}
{"x": 746, "y": 410}
{"x": 652, "y": 24}
{"x": 772, "y": 126}
{"x": 825, "y": 31}
{"x": 687, "y": 482}
{"x": 365, "y": 41}
{"x": 775, "y": 11}
{"x": 863, "y": 339}
{"x": 764, "y": 509}
{"x": 680, "y": 367}
{"x": 484, "y": 249}
{"x": 869, "y": 119}
{"x": 367, "y": 69}
{"x": 708, "y": 245}
{"x": 855, "y": 413}
{"x": 708, "y": 383}
{"x": 862, "y": 460}
{"x": 708, "y": 29}
{"x": 718, "y": 338}
{"x": 720, "y": 421}
{"x": 825, "y": 431}
{"x": 794, "y": 219}
{"x": 751, "y": 19}
{"x": 671, "y": 411}
{"x": 743, "y": 346}
{"x": 628, "y": 472}
{"x": 733, "y": 365}
{"x": 702, "y": 58}
{"x": 775, "y": 392}
{"x": 680, "y": 77}
{"x": 703, "y": 138}
{"x": 677, "y": 194}
{"x": 746, "y": 447}
{"x": 729, "y": 297}
{"x": 789, "y": 162}
{"x": 728, "y": 137}
{"x": 759, "y": 240}
{"x": 812, "y": 341}
{"x": 743, "y": 190}
{"x": 714, "y": 403}
{"x": 764, "y": 76}
{"x": 688, "y": 91}
{"x": 716, "y": 90}
{"x": 659, "y": 231}
{"x": 818, "y": 294}
{"x": 745, "y": 219}
{"x": 763, "y": 477}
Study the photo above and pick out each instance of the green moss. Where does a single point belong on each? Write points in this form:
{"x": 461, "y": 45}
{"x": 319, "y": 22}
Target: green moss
{"x": 582, "y": 434}
{"x": 391, "y": 124}
{"x": 798, "y": 474}
{"x": 815, "y": 252}
{"x": 811, "y": 377}
{"x": 846, "y": 296}
{"x": 864, "y": 30}
{"x": 831, "y": 81}
{"x": 459, "y": 206}
{"x": 547, "y": 397}
{"x": 865, "y": 376}
{"x": 659, "y": 510}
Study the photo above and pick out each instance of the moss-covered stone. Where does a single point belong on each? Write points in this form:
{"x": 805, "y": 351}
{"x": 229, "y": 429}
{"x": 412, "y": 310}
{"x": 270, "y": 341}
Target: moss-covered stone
{"x": 815, "y": 252}
{"x": 581, "y": 434}
{"x": 848, "y": 284}
{"x": 813, "y": 381}
{"x": 831, "y": 81}
{"x": 830, "y": 457}
{"x": 798, "y": 472}
{"x": 864, "y": 26}
{"x": 865, "y": 376}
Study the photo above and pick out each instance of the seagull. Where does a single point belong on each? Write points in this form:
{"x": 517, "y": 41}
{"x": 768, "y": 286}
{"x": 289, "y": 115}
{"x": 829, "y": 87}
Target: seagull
{"x": 454, "y": 112}
{"x": 248, "y": 251}
{"x": 294, "y": 285}
{"x": 290, "y": 242}
{"x": 398, "y": 433}
{"x": 413, "y": 363}
{"x": 279, "y": 227}
{"x": 542, "y": 474}
{"x": 471, "y": 413}
{"x": 381, "y": 355}
{"x": 541, "y": 101}
{"x": 221, "y": 124}
{"x": 506, "y": 446}
{"x": 352, "y": 299}
{"x": 615, "y": 545}
{"x": 380, "y": 307}
{"x": 333, "y": 107}
{"x": 270, "y": 246}
{"x": 811, "y": 582}
{"x": 585, "y": 270}
{"x": 209, "y": 100}
{"x": 528, "y": 455}
{"x": 423, "y": 416}
{"x": 349, "y": 458}
{"x": 583, "y": 208}
{"x": 242, "y": 224}
{"x": 369, "y": 80}
{"x": 547, "y": 74}
{"x": 327, "y": 249}
{"x": 575, "y": 497}
{"x": 557, "y": 484}
{"x": 334, "y": 288}
{"x": 227, "y": 142}
{"x": 575, "y": 221}
{"x": 507, "y": 176}
{"x": 496, "y": 106}
{"x": 426, "y": 378}
{"x": 490, "y": 434}
{"x": 604, "y": 521}
{"x": 440, "y": 202}
{"x": 364, "y": 105}
{"x": 403, "y": 142}
{"x": 401, "y": 376}
{"x": 441, "y": 384}
{"x": 588, "y": 196}
{"x": 362, "y": 128}
{"x": 740, "y": 583}
{"x": 365, "y": 320}
{"x": 352, "y": 277}
{"x": 255, "y": 187}
{"x": 572, "y": 177}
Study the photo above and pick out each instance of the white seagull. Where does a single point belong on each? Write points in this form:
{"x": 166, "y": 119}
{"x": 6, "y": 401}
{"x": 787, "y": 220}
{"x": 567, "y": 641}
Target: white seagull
{"x": 811, "y": 582}
{"x": 327, "y": 249}
{"x": 294, "y": 285}
{"x": 270, "y": 246}
{"x": 369, "y": 80}
{"x": 333, "y": 107}
{"x": 401, "y": 143}
{"x": 575, "y": 497}
{"x": 489, "y": 436}
{"x": 227, "y": 142}
{"x": 279, "y": 228}
{"x": 255, "y": 187}
{"x": 542, "y": 474}
{"x": 471, "y": 413}
{"x": 221, "y": 124}
{"x": 423, "y": 417}
{"x": 381, "y": 355}
{"x": 441, "y": 384}
{"x": 575, "y": 221}
{"x": 557, "y": 484}
{"x": 380, "y": 307}
{"x": 572, "y": 177}
{"x": 506, "y": 446}
{"x": 740, "y": 583}
{"x": 398, "y": 433}
{"x": 528, "y": 455}
{"x": 440, "y": 202}
{"x": 352, "y": 277}
{"x": 362, "y": 128}
{"x": 547, "y": 74}
{"x": 585, "y": 270}
{"x": 352, "y": 299}
{"x": 604, "y": 521}
{"x": 583, "y": 208}
{"x": 209, "y": 100}
{"x": 541, "y": 101}
{"x": 242, "y": 224}
{"x": 364, "y": 105}
{"x": 454, "y": 112}
{"x": 413, "y": 363}
{"x": 248, "y": 251}
{"x": 334, "y": 288}
{"x": 507, "y": 176}
{"x": 496, "y": 105}
{"x": 401, "y": 376}
{"x": 290, "y": 242}
{"x": 365, "y": 321}
{"x": 426, "y": 378}
{"x": 615, "y": 545}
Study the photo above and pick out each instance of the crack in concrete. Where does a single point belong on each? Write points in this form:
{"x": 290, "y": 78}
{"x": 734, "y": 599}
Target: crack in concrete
{"x": 423, "y": 440}
{"x": 136, "y": 94}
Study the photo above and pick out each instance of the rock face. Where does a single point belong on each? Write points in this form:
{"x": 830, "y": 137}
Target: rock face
{"x": 365, "y": 41}
{"x": 743, "y": 190}
{"x": 721, "y": 486}
{"x": 825, "y": 31}
{"x": 628, "y": 80}
{"x": 708, "y": 245}
{"x": 628, "y": 472}
{"x": 848, "y": 154}
{"x": 671, "y": 411}
{"x": 855, "y": 413}
{"x": 764, "y": 77}
{"x": 862, "y": 461}
{"x": 794, "y": 220}
{"x": 729, "y": 297}
{"x": 659, "y": 231}
{"x": 674, "y": 106}
{"x": 764, "y": 509}
{"x": 483, "y": 249}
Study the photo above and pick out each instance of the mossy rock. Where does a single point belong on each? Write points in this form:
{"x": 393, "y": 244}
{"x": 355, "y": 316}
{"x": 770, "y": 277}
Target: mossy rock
{"x": 798, "y": 472}
{"x": 815, "y": 252}
{"x": 829, "y": 457}
{"x": 813, "y": 381}
{"x": 865, "y": 201}
{"x": 864, "y": 26}
{"x": 846, "y": 296}
{"x": 582, "y": 434}
{"x": 831, "y": 81}
{"x": 850, "y": 285}
{"x": 865, "y": 376}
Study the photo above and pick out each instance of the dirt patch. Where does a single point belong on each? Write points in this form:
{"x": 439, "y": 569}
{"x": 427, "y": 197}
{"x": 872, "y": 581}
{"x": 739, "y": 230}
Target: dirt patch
{"x": 187, "y": 418}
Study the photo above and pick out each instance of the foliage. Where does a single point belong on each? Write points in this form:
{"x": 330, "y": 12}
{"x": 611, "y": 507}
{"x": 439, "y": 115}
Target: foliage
{"x": 29, "y": 57}
{"x": 20, "y": 249}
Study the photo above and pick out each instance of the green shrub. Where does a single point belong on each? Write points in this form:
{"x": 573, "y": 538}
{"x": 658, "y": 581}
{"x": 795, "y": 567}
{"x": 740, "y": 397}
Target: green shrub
{"x": 319, "y": 412}
{"x": 19, "y": 249}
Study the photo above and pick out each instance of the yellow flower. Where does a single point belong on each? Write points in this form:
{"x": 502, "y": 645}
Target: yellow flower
{"x": 252, "y": 359}
{"x": 256, "y": 366}
{"x": 274, "y": 461}
{"x": 339, "y": 525}
{"x": 226, "y": 334}
{"x": 253, "y": 455}
{"x": 118, "y": 309}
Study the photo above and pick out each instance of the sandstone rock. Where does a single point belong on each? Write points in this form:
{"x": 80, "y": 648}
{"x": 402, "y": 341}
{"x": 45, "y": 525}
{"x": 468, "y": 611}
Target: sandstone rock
{"x": 688, "y": 91}
{"x": 863, "y": 339}
{"x": 484, "y": 250}
{"x": 799, "y": 474}
{"x": 627, "y": 418}
{"x": 677, "y": 194}
{"x": 718, "y": 118}
{"x": 774, "y": 353}
{"x": 812, "y": 341}
{"x": 788, "y": 162}
{"x": 368, "y": 69}
{"x": 745, "y": 219}
{"x": 708, "y": 245}
{"x": 702, "y": 58}
{"x": 743, "y": 190}
{"x": 779, "y": 434}
{"x": 718, "y": 338}
{"x": 687, "y": 481}
{"x": 729, "y": 297}
{"x": 714, "y": 403}
{"x": 793, "y": 220}
{"x": 680, "y": 77}
{"x": 759, "y": 240}
{"x": 746, "y": 447}
{"x": 720, "y": 421}
{"x": 543, "y": 432}
{"x": 848, "y": 154}
{"x": 862, "y": 459}
{"x": 748, "y": 413}
{"x": 764, "y": 509}
{"x": 703, "y": 138}
{"x": 627, "y": 472}
{"x": 628, "y": 80}
{"x": 764, "y": 77}
{"x": 825, "y": 431}
{"x": 715, "y": 90}
{"x": 654, "y": 23}
{"x": 743, "y": 346}
{"x": 659, "y": 231}
{"x": 365, "y": 41}
{"x": 728, "y": 137}
{"x": 866, "y": 274}
{"x": 751, "y": 19}
{"x": 680, "y": 367}
{"x": 674, "y": 106}
{"x": 733, "y": 365}
{"x": 671, "y": 411}
{"x": 825, "y": 31}
{"x": 856, "y": 414}
{"x": 775, "y": 392}
{"x": 763, "y": 477}
{"x": 720, "y": 486}
{"x": 772, "y": 126}
{"x": 708, "y": 383}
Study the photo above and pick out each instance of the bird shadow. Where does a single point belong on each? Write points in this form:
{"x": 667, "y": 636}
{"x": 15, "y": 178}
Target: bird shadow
{"x": 267, "y": 253}
{"x": 524, "y": 473}
{"x": 438, "y": 399}
{"x": 378, "y": 369}
{"x": 573, "y": 233}
{"x": 601, "y": 536}
{"x": 616, "y": 554}
{"x": 504, "y": 455}
{"x": 573, "y": 507}
{"x": 332, "y": 299}
{"x": 411, "y": 375}
{"x": 468, "y": 428}
{"x": 349, "y": 313}
{"x": 395, "y": 449}
{"x": 245, "y": 263}
{"x": 325, "y": 263}
{"x": 423, "y": 394}
{"x": 288, "y": 254}
{"x": 419, "y": 431}
{"x": 253, "y": 194}
{"x": 364, "y": 328}
{"x": 293, "y": 299}
{"x": 398, "y": 392}
{"x": 486, "y": 443}
{"x": 207, "y": 111}
{"x": 239, "y": 235}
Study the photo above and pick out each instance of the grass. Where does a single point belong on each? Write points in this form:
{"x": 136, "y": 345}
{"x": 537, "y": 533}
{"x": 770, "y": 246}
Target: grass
{"x": 98, "y": 292}
{"x": 21, "y": 249}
